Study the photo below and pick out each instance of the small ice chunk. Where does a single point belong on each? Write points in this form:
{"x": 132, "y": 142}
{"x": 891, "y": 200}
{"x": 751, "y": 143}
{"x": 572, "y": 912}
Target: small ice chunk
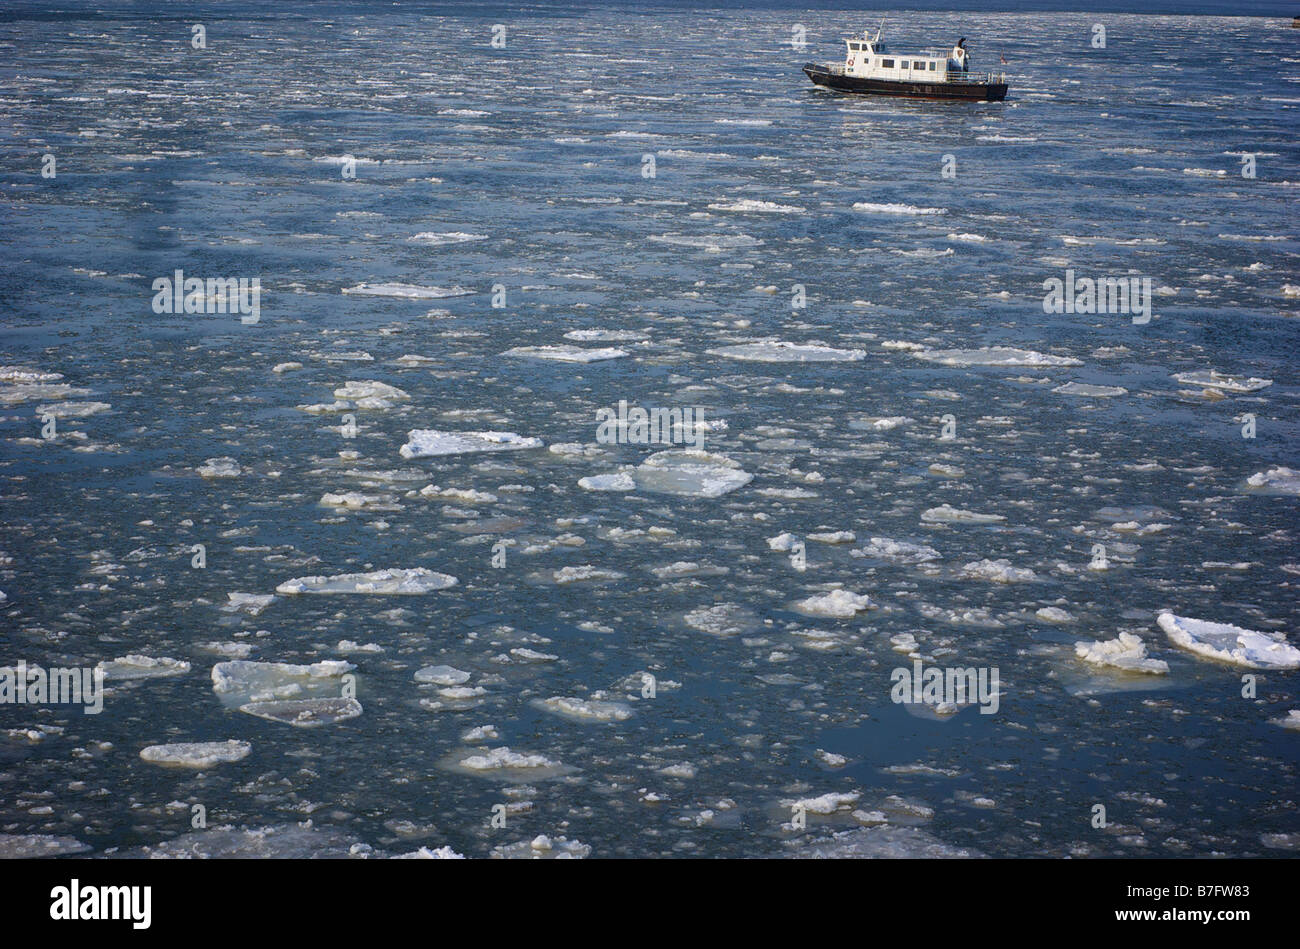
{"x": 1127, "y": 652}
{"x": 838, "y": 604}
{"x": 223, "y": 467}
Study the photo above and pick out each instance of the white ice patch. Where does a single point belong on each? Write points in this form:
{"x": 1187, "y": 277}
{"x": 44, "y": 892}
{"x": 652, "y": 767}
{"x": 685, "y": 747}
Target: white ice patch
{"x": 220, "y": 468}
{"x": 997, "y": 571}
{"x": 947, "y": 514}
{"x": 1086, "y": 389}
{"x": 714, "y": 243}
{"x": 686, "y": 472}
{"x": 905, "y": 209}
{"x": 1213, "y": 379}
{"x": 1275, "y": 481}
{"x": 251, "y": 603}
{"x": 1227, "y": 643}
{"x": 198, "y": 754}
{"x": 406, "y": 291}
{"x": 241, "y": 681}
{"x": 605, "y": 336}
{"x": 585, "y": 710}
{"x": 397, "y": 581}
{"x": 723, "y": 620}
{"x": 785, "y": 351}
{"x": 439, "y": 238}
{"x": 566, "y": 353}
{"x": 143, "y": 667}
{"x": 425, "y": 443}
{"x": 838, "y": 604}
{"x": 305, "y": 713}
{"x": 566, "y": 575}
{"x": 27, "y": 846}
{"x": 994, "y": 356}
{"x": 509, "y": 764}
{"x": 752, "y": 206}
{"x": 1127, "y": 652}
{"x": 824, "y": 804}
{"x": 897, "y": 551}
{"x": 441, "y": 675}
{"x": 367, "y": 393}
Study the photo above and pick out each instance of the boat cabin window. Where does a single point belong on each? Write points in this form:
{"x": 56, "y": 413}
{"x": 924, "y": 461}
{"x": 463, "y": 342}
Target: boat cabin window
{"x": 932, "y": 65}
{"x": 887, "y": 64}
{"x": 918, "y": 65}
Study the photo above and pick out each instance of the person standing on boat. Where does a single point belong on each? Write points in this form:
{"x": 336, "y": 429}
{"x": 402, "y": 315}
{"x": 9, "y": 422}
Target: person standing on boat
{"x": 959, "y": 55}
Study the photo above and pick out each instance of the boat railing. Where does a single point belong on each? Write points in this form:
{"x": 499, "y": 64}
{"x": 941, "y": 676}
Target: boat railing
{"x": 984, "y": 79}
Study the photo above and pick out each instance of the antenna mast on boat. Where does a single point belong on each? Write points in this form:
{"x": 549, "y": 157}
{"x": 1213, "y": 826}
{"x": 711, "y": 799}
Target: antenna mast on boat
{"x": 881, "y": 30}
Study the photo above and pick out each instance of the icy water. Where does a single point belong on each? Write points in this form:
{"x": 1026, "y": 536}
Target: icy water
{"x": 579, "y": 569}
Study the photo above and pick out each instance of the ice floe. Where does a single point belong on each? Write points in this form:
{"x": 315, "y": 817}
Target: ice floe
{"x": 1275, "y": 481}
{"x": 586, "y": 710}
{"x": 441, "y": 675}
{"x": 946, "y": 514}
{"x": 241, "y": 681}
{"x": 566, "y": 353}
{"x": 198, "y": 754}
{"x": 1127, "y": 652}
{"x": 1228, "y": 643}
{"x": 837, "y": 604}
{"x": 397, "y": 581}
{"x": 406, "y": 291}
{"x": 1087, "y": 389}
{"x": 29, "y": 846}
{"x": 508, "y": 764}
{"x": 688, "y": 472}
{"x": 997, "y": 571}
{"x": 994, "y": 356}
{"x": 542, "y": 847}
{"x": 905, "y": 209}
{"x": 136, "y": 666}
{"x": 898, "y": 551}
{"x": 220, "y": 468}
{"x": 305, "y": 713}
{"x": 1213, "y": 379}
{"x": 426, "y": 443}
{"x": 785, "y": 351}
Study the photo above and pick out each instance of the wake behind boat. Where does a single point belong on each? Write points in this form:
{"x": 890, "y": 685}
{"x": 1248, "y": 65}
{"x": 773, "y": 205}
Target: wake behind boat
{"x": 870, "y": 68}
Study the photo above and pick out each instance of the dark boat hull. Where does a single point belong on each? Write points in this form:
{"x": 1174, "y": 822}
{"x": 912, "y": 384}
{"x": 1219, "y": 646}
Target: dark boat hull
{"x": 968, "y": 91}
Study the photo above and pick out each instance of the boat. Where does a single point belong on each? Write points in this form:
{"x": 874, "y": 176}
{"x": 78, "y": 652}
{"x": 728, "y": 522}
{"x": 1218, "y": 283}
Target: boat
{"x": 872, "y": 69}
